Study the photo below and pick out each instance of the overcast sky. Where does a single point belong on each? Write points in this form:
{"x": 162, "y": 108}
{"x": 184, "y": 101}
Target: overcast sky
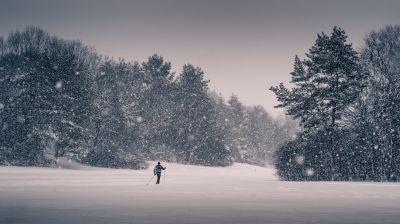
{"x": 244, "y": 47}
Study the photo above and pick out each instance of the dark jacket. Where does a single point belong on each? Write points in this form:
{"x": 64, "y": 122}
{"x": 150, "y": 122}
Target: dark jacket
{"x": 158, "y": 168}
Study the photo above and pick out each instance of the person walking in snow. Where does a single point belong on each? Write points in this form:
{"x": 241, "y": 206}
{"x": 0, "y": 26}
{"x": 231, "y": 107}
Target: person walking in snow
{"x": 157, "y": 171}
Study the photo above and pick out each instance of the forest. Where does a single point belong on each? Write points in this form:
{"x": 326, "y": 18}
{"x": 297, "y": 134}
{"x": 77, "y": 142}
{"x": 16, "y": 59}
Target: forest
{"x": 61, "y": 98}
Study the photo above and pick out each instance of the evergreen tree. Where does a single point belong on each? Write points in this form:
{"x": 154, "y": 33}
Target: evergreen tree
{"x": 326, "y": 83}
{"x": 262, "y": 131}
{"x": 238, "y": 134}
{"x": 156, "y": 106}
{"x": 20, "y": 142}
{"x": 116, "y": 137}
{"x": 198, "y": 135}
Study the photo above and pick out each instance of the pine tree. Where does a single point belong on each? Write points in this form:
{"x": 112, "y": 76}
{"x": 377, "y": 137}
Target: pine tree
{"x": 156, "y": 106}
{"x": 326, "y": 83}
{"x": 198, "y": 135}
{"x": 238, "y": 134}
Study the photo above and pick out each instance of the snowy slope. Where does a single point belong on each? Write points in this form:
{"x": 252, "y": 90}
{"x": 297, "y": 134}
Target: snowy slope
{"x": 191, "y": 194}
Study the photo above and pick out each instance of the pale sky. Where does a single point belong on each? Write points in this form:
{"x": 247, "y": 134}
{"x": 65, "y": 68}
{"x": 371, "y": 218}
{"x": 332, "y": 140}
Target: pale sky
{"x": 244, "y": 47}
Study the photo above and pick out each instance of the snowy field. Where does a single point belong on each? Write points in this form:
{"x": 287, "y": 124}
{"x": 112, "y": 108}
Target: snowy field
{"x": 191, "y": 194}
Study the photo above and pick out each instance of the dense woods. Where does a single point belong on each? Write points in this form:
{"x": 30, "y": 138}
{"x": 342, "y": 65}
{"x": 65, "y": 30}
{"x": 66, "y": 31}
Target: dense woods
{"x": 60, "y": 98}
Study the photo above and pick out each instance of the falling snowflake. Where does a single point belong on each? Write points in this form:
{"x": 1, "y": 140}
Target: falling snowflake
{"x": 310, "y": 172}
{"x": 300, "y": 159}
{"x": 77, "y": 73}
{"x": 59, "y": 85}
{"x": 1, "y": 107}
{"x": 20, "y": 119}
{"x": 139, "y": 119}
{"x": 102, "y": 73}
{"x": 376, "y": 146}
{"x": 191, "y": 137}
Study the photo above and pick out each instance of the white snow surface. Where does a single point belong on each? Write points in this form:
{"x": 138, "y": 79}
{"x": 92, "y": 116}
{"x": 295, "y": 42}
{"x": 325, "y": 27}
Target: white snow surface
{"x": 190, "y": 194}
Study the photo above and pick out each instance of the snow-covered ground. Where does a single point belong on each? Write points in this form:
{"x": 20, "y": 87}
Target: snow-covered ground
{"x": 191, "y": 194}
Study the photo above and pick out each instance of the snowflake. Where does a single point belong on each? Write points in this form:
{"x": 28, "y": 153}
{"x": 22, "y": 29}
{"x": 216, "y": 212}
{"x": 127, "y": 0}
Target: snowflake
{"x": 300, "y": 159}
{"x": 310, "y": 172}
{"x": 139, "y": 119}
{"x": 59, "y": 84}
{"x": 20, "y": 119}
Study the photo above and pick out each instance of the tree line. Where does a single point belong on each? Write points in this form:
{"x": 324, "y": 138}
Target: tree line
{"x": 60, "y": 98}
{"x": 347, "y": 103}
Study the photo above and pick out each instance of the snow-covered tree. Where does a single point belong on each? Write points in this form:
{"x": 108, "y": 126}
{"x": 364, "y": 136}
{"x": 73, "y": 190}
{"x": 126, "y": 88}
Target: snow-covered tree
{"x": 381, "y": 103}
{"x": 326, "y": 83}
{"x": 237, "y": 120}
{"x": 156, "y": 106}
{"x": 198, "y": 136}
{"x": 47, "y": 89}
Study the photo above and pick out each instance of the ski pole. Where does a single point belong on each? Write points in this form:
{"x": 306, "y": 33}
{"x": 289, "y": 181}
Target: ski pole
{"x": 164, "y": 176}
{"x": 150, "y": 180}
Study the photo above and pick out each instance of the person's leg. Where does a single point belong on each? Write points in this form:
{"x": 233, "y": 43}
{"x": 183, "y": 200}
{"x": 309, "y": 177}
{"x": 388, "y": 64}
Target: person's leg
{"x": 158, "y": 178}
